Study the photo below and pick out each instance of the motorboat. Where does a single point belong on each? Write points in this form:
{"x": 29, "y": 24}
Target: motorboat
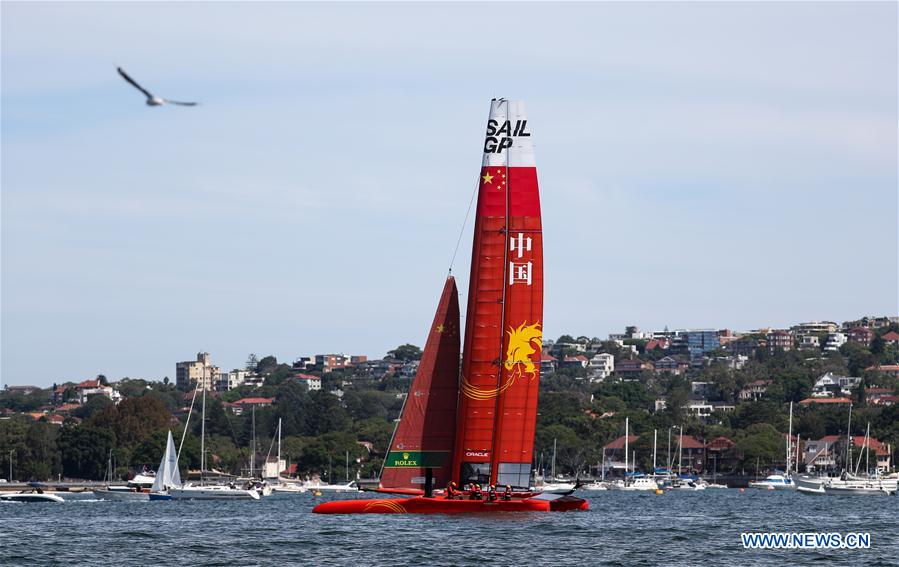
{"x": 35, "y": 495}
{"x": 289, "y": 487}
{"x": 348, "y": 487}
{"x": 773, "y": 482}
{"x": 635, "y": 483}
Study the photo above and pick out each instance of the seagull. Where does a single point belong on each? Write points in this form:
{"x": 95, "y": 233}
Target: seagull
{"x": 151, "y": 100}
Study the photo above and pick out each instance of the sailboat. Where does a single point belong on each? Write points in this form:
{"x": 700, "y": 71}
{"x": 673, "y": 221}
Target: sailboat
{"x": 475, "y": 425}
{"x": 203, "y": 491}
{"x": 273, "y": 471}
{"x": 632, "y": 481}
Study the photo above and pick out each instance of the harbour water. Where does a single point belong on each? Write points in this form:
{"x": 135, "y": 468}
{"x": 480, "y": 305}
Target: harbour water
{"x": 621, "y": 528}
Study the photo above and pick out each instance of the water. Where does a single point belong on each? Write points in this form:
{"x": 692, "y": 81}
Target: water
{"x": 621, "y": 528}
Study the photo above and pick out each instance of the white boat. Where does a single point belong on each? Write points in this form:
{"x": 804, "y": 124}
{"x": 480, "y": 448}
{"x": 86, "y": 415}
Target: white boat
{"x": 688, "y": 484}
{"x": 773, "y": 482}
{"x": 846, "y": 486}
{"x": 596, "y": 485}
{"x": 122, "y": 493}
{"x": 36, "y": 495}
{"x": 348, "y": 487}
{"x": 556, "y": 487}
{"x": 638, "y": 483}
{"x": 289, "y": 487}
{"x": 212, "y": 492}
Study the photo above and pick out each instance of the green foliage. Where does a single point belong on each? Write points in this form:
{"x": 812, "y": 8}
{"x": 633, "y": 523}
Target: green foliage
{"x": 405, "y": 353}
{"x": 85, "y": 451}
{"x": 761, "y": 443}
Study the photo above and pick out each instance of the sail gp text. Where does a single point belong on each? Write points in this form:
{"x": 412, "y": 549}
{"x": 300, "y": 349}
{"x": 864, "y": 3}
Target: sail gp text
{"x": 811, "y": 540}
{"x": 499, "y": 136}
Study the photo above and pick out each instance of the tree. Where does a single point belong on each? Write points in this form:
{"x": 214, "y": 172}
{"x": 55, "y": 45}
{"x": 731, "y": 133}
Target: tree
{"x": 84, "y": 450}
{"x": 760, "y": 443}
{"x": 266, "y": 365}
{"x": 858, "y": 357}
{"x": 405, "y": 352}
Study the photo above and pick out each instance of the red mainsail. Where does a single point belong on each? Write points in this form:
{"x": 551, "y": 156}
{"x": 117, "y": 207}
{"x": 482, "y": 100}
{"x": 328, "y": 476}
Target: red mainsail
{"x": 425, "y": 435}
{"x": 503, "y": 338}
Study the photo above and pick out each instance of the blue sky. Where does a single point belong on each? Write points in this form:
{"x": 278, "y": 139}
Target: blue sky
{"x": 701, "y": 165}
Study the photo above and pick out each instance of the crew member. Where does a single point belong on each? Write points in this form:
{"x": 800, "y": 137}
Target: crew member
{"x": 507, "y": 493}
{"x": 476, "y": 493}
{"x": 451, "y": 491}
{"x": 491, "y": 493}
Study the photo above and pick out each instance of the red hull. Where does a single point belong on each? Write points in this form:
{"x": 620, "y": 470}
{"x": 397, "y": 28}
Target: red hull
{"x": 422, "y": 505}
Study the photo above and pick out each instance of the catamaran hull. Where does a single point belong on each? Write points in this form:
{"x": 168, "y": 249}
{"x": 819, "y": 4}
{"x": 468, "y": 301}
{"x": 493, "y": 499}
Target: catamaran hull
{"x": 422, "y": 505}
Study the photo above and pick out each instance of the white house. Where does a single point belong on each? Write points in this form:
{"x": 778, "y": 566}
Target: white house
{"x": 601, "y": 366}
{"x": 834, "y": 342}
{"x": 829, "y": 385}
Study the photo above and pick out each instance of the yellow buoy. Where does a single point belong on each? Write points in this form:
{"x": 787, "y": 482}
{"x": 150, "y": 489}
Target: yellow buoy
{"x": 659, "y": 491}
{"x": 317, "y": 493}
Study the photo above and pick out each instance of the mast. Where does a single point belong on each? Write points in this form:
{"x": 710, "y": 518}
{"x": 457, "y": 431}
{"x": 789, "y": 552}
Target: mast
{"x": 680, "y": 452}
{"x": 603, "y": 473}
{"x": 790, "y": 440}
{"x": 347, "y": 467}
{"x": 655, "y": 437}
{"x": 554, "y": 461}
{"x": 503, "y": 335}
{"x": 849, "y": 441}
{"x": 626, "y": 434}
{"x": 253, "y": 448}
{"x": 203, "y": 435}
{"x": 668, "y": 461}
{"x": 279, "y": 447}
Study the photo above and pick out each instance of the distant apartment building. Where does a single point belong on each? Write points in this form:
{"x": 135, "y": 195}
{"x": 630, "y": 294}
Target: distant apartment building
{"x": 547, "y": 364}
{"x": 601, "y": 366}
{"x": 230, "y": 380}
{"x": 814, "y": 328}
{"x": 809, "y": 342}
{"x": 331, "y": 362}
{"x": 779, "y": 339}
{"x": 834, "y": 342}
{"x": 309, "y": 381}
{"x": 755, "y": 390}
{"x": 701, "y": 341}
{"x": 632, "y": 368}
{"x": 670, "y": 365}
{"x": 744, "y": 346}
{"x": 200, "y": 371}
{"x": 861, "y": 335}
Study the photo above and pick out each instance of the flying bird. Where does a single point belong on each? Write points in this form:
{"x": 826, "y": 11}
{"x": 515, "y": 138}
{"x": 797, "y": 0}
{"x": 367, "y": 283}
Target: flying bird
{"x": 151, "y": 100}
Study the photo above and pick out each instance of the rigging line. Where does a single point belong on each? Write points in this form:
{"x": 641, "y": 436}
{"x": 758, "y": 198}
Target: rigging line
{"x": 189, "y": 412}
{"x": 464, "y": 223}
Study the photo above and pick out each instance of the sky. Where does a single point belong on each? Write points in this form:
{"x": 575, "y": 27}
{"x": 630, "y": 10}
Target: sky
{"x": 711, "y": 165}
